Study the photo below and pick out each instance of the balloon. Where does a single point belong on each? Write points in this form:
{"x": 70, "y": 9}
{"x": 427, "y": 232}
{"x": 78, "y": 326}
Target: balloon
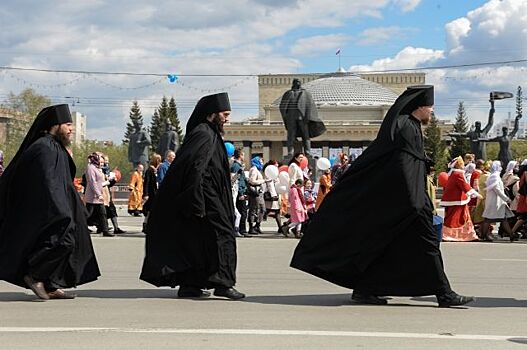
{"x": 323, "y": 164}
{"x": 281, "y": 189}
{"x": 304, "y": 163}
{"x": 271, "y": 172}
{"x": 230, "y": 149}
{"x": 283, "y": 168}
{"x": 442, "y": 178}
{"x": 284, "y": 178}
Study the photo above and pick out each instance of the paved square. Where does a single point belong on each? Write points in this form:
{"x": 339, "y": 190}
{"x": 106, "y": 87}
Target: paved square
{"x": 285, "y": 308}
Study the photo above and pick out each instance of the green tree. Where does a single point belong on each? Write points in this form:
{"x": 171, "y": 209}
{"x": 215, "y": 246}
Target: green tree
{"x": 175, "y": 119}
{"x": 435, "y": 147}
{"x": 135, "y": 114}
{"x": 157, "y": 126}
{"x": 519, "y": 102}
{"x": 156, "y": 130}
{"x": 24, "y": 107}
{"x": 460, "y": 145}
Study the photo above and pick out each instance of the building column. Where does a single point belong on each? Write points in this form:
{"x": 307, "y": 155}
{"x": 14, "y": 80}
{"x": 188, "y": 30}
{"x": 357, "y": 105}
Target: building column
{"x": 284, "y": 148}
{"x": 325, "y": 149}
{"x": 267, "y": 150}
{"x": 247, "y": 152}
{"x": 346, "y": 150}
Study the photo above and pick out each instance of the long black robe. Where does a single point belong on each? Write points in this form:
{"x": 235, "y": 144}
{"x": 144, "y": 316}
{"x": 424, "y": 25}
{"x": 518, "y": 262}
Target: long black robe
{"x": 43, "y": 230}
{"x": 373, "y": 231}
{"x": 190, "y": 232}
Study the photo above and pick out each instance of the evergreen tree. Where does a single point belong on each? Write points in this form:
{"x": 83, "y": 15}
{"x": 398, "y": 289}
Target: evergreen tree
{"x": 435, "y": 147}
{"x": 460, "y": 145}
{"x": 135, "y": 114}
{"x": 519, "y": 102}
{"x": 156, "y": 130}
{"x": 175, "y": 119}
{"x": 157, "y": 126}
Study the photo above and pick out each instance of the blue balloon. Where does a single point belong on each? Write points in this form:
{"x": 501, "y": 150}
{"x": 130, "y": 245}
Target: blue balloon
{"x": 230, "y": 149}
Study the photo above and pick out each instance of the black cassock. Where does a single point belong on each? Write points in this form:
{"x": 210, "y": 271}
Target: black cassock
{"x": 190, "y": 232}
{"x": 43, "y": 228}
{"x": 373, "y": 231}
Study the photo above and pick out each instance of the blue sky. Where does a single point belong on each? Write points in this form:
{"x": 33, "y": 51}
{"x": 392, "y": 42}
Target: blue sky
{"x": 252, "y": 37}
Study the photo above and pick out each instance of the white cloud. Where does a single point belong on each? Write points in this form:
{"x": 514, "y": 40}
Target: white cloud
{"x": 318, "y": 44}
{"x": 409, "y": 57}
{"x": 380, "y": 35}
{"x": 407, "y": 5}
{"x": 492, "y": 32}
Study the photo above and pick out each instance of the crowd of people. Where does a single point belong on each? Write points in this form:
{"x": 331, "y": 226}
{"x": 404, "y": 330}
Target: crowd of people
{"x": 290, "y": 199}
{"x": 478, "y": 194}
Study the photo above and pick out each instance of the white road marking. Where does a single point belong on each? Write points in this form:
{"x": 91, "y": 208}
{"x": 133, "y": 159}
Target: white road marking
{"x": 514, "y": 260}
{"x": 277, "y": 332}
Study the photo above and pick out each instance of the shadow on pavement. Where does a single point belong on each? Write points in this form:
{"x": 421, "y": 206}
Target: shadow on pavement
{"x": 486, "y": 302}
{"x": 308, "y": 300}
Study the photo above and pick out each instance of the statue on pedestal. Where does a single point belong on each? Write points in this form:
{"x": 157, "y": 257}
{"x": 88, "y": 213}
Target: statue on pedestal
{"x": 169, "y": 140}
{"x": 505, "y": 155}
{"x": 300, "y": 116}
{"x": 138, "y": 145}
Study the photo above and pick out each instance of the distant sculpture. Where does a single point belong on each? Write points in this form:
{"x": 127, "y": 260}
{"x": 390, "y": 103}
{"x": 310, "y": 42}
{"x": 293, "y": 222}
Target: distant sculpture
{"x": 138, "y": 145}
{"x": 169, "y": 140}
{"x": 505, "y": 155}
{"x": 300, "y": 116}
{"x": 477, "y": 136}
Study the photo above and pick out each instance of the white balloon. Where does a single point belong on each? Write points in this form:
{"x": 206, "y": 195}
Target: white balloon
{"x": 271, "y": 172}
{"x": 284, "y": 178}
{"x": 281, "y": 189}
{"x": 323, "y": 164}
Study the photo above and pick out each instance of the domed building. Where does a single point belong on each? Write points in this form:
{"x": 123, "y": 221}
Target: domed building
{"x": 351, "y": 106}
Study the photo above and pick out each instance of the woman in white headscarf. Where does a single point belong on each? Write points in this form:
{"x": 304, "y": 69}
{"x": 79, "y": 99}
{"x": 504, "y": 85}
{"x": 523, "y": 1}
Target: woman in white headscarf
{"x": 496, "y": 203}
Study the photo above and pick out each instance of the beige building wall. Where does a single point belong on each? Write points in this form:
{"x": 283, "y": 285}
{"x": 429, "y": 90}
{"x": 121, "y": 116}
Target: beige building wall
{"x": 79, "y": 123}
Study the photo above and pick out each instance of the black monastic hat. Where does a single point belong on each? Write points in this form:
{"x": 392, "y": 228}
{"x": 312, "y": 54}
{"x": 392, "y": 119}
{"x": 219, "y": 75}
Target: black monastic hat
{"x": 206, "y": 106}
{"x": 46, "y": 118}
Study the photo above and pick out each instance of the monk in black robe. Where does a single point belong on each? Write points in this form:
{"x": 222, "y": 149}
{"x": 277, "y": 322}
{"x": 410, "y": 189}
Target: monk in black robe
{"x": 190, "y": 238}
{"x": 45, "y": 244}
{"x": 350, "y": 242}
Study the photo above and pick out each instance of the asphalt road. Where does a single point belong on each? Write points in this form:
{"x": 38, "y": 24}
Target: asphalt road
{"x": 285, "y": 308}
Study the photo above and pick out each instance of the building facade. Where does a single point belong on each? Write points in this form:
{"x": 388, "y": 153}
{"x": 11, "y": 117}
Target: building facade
{"x": 351, "y": 106}
{"x": 79, "y": 130}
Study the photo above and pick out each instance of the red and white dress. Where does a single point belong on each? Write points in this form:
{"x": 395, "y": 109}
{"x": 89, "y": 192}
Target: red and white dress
{"x": 458, "y": 226}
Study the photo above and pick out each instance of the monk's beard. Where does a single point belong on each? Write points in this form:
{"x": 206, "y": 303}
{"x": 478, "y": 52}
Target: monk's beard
{"x": 217, "y": 120}
{"x": 64, "y": 138}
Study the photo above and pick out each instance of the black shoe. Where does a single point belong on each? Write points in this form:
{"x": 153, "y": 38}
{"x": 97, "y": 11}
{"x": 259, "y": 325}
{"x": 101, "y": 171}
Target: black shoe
{"x": 230, "y": 293}
{"x": 258, "y": 229}
{"x": 453, "y": 299}
{"x": 108, "y": 234}
{"x": 118, "y": 231}
{"x": 192, "y": 292}
{"x": 367, "y": 299}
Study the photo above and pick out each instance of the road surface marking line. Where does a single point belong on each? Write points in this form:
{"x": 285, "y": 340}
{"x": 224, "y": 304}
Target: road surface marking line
{"x": 277, "y": 332}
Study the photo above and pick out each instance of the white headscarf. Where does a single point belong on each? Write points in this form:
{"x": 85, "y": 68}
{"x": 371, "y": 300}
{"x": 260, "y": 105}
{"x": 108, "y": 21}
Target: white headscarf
{"x": 494, "y": 177}
{"x": 511, "y": 166}
{"x": 524, "y": 162}
{"x": 469, "y": 169}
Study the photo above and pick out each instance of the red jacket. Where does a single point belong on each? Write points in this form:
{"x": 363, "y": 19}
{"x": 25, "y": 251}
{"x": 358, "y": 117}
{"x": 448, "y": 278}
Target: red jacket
{"x": 455, "y": 191}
